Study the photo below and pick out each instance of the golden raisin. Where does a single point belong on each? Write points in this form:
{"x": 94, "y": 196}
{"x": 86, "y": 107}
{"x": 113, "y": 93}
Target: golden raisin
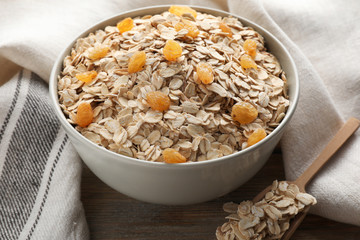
{"x": 256, "y": 136}
{"x": 172, "y": 50}
{"x": 137, "y": 62}
{"x": 193, "y": 31}
{"x": 178, "y": 26}
{"x": 125, "y": 25}
{"x": 226, "y": 29}
{"x": 250, "y": 47}
{"x": 86, "y": 77}
{"x": 98, "y": 52}
{"x": 180, "y": 10}
{"x": 84, "y": 115}
{"x": 172, "y": 156}
{"x": 247, "y": 62}
{"x": 158, "y": 101}
{"x": 204, "y": 72}
{"x": 244, "y": 112}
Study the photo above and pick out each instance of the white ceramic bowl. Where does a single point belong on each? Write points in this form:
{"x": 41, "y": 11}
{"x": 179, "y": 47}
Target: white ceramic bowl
{"x": 178, "y": 183}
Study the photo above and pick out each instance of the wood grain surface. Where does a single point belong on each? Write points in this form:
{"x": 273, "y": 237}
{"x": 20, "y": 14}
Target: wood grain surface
{"x": 112, "y": 215}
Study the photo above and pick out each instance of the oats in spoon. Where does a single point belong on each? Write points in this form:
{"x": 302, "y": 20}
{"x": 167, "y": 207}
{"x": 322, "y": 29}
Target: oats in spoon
{"x": 266, "y": 219}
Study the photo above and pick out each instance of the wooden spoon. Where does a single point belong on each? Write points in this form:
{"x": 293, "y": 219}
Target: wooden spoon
{"x": 336, "y": 142}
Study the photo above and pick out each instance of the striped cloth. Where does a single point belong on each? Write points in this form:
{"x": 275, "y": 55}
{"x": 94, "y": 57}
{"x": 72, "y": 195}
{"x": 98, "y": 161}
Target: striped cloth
{"x": 40, "y": 171}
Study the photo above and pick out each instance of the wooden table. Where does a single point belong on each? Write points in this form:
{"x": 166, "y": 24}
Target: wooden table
{"x": 112, "y": 215}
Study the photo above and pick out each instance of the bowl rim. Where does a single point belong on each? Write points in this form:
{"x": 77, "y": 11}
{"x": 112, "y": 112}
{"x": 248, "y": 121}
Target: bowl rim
{"x": 131, "y": 160}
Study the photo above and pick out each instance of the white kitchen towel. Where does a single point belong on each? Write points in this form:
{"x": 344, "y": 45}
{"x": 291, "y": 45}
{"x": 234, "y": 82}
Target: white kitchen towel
{"x": 40, "y": 171}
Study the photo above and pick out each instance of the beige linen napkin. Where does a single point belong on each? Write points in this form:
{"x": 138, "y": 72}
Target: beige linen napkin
{"x": 39, "y": 169}
{"x": 324, "y": 39}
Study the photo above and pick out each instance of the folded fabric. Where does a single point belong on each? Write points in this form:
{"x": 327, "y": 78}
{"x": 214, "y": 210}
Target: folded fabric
{"x": 329, "y": 93}
{"x": 40, "y": 171}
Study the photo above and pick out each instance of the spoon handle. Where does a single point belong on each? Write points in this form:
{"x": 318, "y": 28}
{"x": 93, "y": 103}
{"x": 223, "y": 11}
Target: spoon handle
{"x": 336, "y": 142}
{"x": 295, "y": 224}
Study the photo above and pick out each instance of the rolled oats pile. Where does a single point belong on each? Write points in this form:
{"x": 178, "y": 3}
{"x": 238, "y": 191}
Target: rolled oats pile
{"x": 266, "y": 219}
{"x": 181, "y": 86}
